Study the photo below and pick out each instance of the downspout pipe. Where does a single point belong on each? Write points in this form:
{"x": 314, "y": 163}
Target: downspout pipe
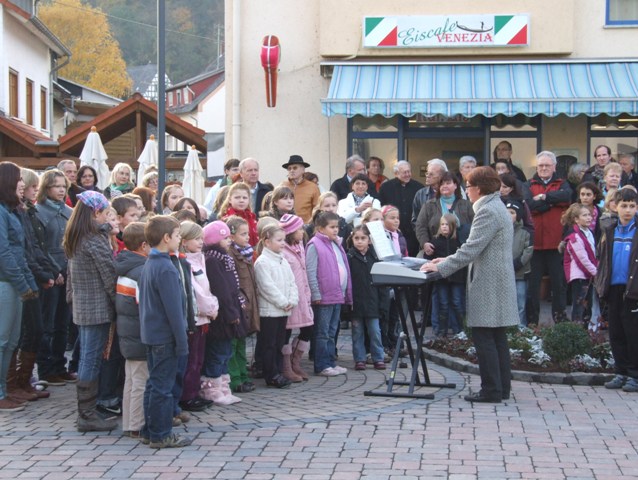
{"x": 236, "y": 125}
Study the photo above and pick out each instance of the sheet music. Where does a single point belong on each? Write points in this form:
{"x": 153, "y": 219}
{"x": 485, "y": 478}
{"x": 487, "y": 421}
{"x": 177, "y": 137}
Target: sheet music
{"x": 380, "y": 241}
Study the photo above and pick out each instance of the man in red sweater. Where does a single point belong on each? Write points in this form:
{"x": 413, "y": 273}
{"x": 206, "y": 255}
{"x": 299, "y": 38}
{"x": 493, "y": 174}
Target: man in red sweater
{"x": 549, "y": 197}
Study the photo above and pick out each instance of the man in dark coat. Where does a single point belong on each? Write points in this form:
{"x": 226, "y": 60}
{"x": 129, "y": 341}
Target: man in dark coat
{"x": 342, "y": 186}
{"x": 249, "y": 173}
{"x": 503, "y": 151}
{"x": 400, "y": 192}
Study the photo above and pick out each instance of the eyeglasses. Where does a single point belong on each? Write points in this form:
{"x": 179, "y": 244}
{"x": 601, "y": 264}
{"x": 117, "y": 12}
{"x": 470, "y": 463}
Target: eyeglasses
{"x": 545, "y": 165}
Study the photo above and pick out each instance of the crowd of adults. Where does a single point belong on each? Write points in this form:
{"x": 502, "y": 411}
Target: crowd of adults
{"x": 540, "y": 200}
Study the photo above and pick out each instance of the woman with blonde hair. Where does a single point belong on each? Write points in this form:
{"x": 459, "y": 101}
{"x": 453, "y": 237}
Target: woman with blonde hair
{"x": 121, "y": 181}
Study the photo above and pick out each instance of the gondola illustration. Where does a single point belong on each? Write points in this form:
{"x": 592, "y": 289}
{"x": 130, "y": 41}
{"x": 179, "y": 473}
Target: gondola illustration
{"x": 475, "y": 30}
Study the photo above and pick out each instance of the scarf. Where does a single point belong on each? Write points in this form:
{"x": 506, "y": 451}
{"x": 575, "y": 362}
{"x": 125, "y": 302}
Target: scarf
{"x": 447, "y": 206}
{"x": 246, "y": 252}
{"x": 229, "y": 265}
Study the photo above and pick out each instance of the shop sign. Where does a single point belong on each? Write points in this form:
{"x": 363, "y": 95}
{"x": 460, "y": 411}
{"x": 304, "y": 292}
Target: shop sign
{"x": 444, "y": 31}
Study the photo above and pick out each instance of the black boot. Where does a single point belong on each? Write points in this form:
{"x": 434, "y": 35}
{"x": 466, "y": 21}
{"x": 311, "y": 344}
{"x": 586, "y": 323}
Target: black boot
{"x": 88, "y": 418}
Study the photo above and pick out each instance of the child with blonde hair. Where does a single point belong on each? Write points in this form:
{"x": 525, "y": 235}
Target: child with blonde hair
{"x": 207, "y": 307}
{"x": 278, "y": 295}
{"x": 579, "y": 260}
{"x": 238, "y": 203}
{"x": 301, "y": 316}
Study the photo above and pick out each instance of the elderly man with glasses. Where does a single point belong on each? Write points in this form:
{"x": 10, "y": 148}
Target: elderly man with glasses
{"x": 548, "y": 197}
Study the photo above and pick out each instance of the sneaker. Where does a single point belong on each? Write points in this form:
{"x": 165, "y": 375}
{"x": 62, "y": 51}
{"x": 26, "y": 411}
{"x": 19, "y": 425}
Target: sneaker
{"x": 55, "y": 380}
{"x": 360, "y": 366}
{"x": 631, "y": 385}
{"x": 328, "y": 372}
{"x": 172, "y": 441}
{"x": 195, "y": 404}
{"x": 177, "y": 422}
{"x": 112, "y": 410}
{"x": 8, "y": 405}
{"x": 617, "y": 382}
{"x": 340, "y": 370}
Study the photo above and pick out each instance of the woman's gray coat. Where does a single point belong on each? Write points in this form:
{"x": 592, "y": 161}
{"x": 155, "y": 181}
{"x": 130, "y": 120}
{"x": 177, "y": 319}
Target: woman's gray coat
{"x": 491, "y": 288}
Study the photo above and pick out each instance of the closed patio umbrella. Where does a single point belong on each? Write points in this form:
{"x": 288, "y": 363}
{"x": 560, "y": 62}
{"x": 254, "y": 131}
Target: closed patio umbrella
{"x": 147, "y": 158}
{"x": 94, "y": 155}
{"x": 193, "y": 184}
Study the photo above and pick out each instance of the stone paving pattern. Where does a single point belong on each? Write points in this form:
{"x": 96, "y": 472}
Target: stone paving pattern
{"x": 327, "y": 429}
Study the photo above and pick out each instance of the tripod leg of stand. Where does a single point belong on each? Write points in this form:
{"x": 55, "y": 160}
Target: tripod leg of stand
{"x": 395, "y": 361}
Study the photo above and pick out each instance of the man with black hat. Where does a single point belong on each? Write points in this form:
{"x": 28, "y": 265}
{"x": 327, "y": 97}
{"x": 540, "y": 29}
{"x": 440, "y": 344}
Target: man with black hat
{"x": 306, "y": 192}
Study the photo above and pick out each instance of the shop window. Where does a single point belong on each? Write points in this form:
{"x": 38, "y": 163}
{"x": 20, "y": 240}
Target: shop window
{"x": 620, "y": 134}
{"x": 29, "y": 95}
{"x": 43, "y": 108}
{"x": 13, "y": 93}
{"x": 523, "y": 153}
{"x": 384, "y": 148}
{"x": 378, "y": 123}
{"x": 621, "y": 12}
{"x": 517, "y": 123}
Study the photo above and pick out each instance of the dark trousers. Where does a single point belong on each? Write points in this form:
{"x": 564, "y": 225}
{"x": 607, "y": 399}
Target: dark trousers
{"x": 196, "y": 348}
{"x": 111, "y": 376}
{"x": 623, "y": 331}
{"x": 581, "y": 300}
{"x": 273, "y": 336}
{"x": 31, "y": 334}
{"x": 549, "y": 261}
{"x": 493, "y": 355}
{"x": 55, "y": 317}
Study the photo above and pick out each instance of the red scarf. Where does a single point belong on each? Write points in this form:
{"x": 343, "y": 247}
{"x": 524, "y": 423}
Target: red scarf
{"x": 250, "y": 218}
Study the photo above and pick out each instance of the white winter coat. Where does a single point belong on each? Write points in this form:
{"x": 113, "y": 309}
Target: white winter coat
{"x": 276, "y": 287}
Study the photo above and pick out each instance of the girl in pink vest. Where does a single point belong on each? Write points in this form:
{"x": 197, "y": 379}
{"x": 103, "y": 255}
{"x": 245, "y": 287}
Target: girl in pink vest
{"x": 330, "y": 287}
{"x": 579, "y": 260}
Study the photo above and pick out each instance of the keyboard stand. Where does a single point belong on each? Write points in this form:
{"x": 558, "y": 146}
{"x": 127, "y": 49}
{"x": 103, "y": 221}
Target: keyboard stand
{"x": 416, "y": 358}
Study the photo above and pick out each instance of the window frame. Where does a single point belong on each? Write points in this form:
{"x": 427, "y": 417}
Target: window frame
{"x": 617, "y": 23}
{"x": 44, "y": 108}
{"x": 29, "y": 101}
{"x": 14, "y": 93}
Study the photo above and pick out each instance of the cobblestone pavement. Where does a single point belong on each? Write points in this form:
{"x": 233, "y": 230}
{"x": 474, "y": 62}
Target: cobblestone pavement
{"x": 327, "y": 429}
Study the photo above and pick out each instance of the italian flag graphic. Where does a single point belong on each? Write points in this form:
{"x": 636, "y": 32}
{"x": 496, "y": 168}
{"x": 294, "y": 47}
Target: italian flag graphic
{"x": 381, "y": 31}
{"x": 510, "y": 30}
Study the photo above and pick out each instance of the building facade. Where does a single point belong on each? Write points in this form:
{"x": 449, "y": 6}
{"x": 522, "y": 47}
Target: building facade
{"x": 413, "y": 80}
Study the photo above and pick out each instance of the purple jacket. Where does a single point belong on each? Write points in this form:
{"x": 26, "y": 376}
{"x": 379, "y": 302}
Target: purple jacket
{"x": 323, "y": 272}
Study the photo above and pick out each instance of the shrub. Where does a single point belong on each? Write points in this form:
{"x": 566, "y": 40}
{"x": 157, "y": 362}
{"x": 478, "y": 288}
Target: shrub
{"x": 565, "y": 341}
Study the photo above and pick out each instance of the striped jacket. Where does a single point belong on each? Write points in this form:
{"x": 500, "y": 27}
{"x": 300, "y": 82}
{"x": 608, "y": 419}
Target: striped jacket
{"x": 128, "y": 265}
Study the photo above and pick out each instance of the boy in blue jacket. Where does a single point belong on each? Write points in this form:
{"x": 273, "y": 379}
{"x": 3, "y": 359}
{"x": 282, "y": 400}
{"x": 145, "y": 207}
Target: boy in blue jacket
{"x": 163, "y": 331}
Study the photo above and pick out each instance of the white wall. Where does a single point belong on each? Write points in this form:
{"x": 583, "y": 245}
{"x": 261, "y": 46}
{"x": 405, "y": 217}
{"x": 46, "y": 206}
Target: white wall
{"x": 27, "y": 55}
{"x": 211, "y": 112}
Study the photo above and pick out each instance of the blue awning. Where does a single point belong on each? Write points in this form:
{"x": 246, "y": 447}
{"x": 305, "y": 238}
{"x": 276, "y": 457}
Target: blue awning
{"x": 484, "y": 89}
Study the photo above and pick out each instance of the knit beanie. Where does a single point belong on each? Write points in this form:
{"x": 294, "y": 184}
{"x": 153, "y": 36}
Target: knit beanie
{"x": 290, "y": 223}
{"x": 215, "y": 232}
{"x": 516, "y": 206}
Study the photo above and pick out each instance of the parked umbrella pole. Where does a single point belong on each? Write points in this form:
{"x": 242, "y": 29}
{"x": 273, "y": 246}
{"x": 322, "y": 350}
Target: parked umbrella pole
{"x": 161, "y": 100}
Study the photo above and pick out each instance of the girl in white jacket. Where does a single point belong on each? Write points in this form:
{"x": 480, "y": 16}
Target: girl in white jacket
{"x": 277, "y": 295}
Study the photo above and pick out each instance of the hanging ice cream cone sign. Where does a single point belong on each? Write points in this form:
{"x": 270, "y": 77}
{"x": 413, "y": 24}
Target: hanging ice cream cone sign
{"x": 270, "y": 56}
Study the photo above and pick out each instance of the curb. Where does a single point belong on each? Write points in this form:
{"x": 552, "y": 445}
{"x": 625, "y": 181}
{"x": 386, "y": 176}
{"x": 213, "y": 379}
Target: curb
{"x": 555, "y": 378}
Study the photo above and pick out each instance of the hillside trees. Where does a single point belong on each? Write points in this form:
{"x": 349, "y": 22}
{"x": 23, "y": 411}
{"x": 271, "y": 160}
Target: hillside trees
{"x": 96, "y": 60}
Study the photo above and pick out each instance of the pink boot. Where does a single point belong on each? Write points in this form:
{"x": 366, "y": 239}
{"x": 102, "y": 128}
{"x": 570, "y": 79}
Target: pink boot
{"x": 286, "y": 370}
{"x": 211, "y": 389}
{"x": 226, "y": 391}
{"x": 299, "y": 347}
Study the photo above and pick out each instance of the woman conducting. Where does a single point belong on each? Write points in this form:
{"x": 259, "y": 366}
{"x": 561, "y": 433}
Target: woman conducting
{"x": 491, "y": 289}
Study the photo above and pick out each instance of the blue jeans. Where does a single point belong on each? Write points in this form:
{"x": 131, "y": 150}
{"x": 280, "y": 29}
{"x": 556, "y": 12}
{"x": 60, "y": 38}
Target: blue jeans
{"x": 326, "y": 323}
{"x": 93, "y": 339}
{"x": 55, "y": 319}
{"x": 451, "y": 306}
{"x": 10, "y": 321}
{"x": 521, "y": 298}
{"x": 178, "y": 388}
{"x": 358, "y": 340}
{"x": 111, "y": 376}
{"x": 216, "y": 357}
{"x": 162, "y": 363}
